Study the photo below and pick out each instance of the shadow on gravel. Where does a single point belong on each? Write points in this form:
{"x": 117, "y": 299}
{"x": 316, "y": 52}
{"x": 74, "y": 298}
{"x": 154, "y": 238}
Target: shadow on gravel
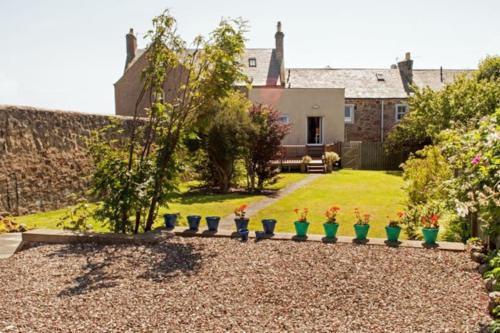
{"x": 107, "y": 264}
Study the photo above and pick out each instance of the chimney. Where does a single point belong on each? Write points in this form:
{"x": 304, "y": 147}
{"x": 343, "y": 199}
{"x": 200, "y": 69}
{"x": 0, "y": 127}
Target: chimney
{"x": 280, "y": 56}
{"x": 131, "y": 47}
{"x": 441, "y": 73}
{"x": 406, "y": 70}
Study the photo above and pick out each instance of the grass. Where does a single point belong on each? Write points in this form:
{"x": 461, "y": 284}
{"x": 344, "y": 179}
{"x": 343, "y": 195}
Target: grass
{"x": 185, "y": 203}
{"x": 378, "y": 193}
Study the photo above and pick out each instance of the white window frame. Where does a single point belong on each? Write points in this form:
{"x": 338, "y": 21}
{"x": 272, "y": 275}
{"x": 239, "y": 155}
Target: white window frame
{"x": 349, "y": 120}
{"x": 396, "y": 111}
{"x": 252, "y": 60}
{"x": 284, "y": 118}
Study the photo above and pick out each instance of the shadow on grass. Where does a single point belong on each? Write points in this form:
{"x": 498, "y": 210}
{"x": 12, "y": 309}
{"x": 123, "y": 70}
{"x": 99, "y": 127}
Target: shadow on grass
{"x": 397, "y": 173}
{"x": 106, "y": 265}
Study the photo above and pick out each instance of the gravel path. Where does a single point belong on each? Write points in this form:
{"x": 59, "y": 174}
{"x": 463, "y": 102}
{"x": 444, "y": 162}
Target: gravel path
{"x": 208, "y": 284}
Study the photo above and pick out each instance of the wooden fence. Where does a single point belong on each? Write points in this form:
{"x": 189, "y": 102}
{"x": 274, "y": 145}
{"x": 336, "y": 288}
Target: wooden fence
{"x": 369, "y": 156}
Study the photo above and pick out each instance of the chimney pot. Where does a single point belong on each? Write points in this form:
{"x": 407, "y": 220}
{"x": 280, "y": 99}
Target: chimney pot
{"x": 408, "y": 56}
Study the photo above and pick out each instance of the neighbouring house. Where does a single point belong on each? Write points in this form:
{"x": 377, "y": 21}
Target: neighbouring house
{"x": 323, "y": 105}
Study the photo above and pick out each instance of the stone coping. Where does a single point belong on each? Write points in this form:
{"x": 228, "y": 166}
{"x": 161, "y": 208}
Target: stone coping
{"x": 67, "y": 237}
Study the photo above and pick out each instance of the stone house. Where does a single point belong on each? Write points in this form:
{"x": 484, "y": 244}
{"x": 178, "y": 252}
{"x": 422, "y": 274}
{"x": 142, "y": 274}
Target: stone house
{"x": 324, "y": 105}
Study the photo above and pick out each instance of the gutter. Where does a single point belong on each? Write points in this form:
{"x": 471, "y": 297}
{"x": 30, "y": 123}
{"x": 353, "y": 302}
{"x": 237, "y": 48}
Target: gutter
{"x": 382, "y": 121}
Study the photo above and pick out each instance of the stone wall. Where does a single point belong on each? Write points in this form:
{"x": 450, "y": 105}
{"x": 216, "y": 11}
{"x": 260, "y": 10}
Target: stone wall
{"x": 367, "y": 118}
{"x": 43, "y": 157}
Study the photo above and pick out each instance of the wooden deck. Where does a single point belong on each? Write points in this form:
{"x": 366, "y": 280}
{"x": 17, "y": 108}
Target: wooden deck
{"x": 290, "y": 157}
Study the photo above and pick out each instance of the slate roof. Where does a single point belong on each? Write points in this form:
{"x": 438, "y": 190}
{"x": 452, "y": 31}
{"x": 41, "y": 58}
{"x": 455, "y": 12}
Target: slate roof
{"x": 363, "y": 82}
{"x": 266, "y": 73}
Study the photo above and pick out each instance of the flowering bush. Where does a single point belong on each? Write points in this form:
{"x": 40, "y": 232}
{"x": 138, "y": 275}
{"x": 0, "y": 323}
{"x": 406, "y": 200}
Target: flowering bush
{"x": 361, "y": 219}
{"x": 241, "y": 211}
{"x": 475, "y": 155}
{"x": 395, "y": 222}
{"x": 331, "y": 214}
{"x": 301, "y": 214}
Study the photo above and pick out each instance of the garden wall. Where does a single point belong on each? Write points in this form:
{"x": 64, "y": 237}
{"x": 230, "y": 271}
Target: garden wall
{"x": 43, "y": 157}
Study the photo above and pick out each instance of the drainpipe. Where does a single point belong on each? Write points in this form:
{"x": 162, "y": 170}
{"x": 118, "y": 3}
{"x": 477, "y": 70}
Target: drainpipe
{"x": 382, "y": 121}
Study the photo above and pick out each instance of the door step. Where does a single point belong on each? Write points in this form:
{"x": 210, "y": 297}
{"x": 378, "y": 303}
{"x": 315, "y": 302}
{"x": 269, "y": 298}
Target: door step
{"x": 316, "y": 168}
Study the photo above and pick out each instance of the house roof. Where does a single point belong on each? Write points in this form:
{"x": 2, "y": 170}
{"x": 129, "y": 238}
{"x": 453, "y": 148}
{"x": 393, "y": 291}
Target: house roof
{"x": 265, "y": 73}
{"x": 267, "y": 70}
{"x": 367, "y": 82}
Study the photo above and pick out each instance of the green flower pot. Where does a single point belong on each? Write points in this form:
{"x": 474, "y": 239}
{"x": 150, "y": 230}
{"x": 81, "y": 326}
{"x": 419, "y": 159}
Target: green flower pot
{"x": 430, "y": 235}
{"x": 392, "y": 233}
{"x": 331, "y": 229}
{"x": 361, "y": 231}
{"x": 301, "y": 228}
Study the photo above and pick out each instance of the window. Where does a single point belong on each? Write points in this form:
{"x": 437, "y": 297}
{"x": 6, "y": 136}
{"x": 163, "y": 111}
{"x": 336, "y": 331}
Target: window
{"x": 349, "y": 113}
{"x": 283, "y": 119}
{"x": 380, "y": 77}
{"x": 252, "y": 62}
{"x": 401, "y": 110}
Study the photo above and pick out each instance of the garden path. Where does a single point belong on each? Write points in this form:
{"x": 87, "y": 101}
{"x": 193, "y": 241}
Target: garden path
{"x": 9, "y": 243}
{"x": 227, "y": 223}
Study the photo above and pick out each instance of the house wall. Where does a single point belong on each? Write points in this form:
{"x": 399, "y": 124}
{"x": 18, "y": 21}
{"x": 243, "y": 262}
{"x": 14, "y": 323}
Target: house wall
{"x": 128, "y": 88}
{"x": 367, "y": 118}
{"x": 298, "y": 104}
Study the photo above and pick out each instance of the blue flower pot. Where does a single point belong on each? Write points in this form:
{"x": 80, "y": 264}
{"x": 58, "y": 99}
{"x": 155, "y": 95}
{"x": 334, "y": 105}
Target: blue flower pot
{"x": 170, "y": 220}
{"x": 212, "y": 223}
{"x": 269, "y": 225}
{"x": 243, "y": 234}
{"x": 241, "y": 223}
{"x": 194, "y": 222}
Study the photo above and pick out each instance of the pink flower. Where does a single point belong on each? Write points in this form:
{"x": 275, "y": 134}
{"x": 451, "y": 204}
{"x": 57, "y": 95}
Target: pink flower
{"x": 476, "y": 159}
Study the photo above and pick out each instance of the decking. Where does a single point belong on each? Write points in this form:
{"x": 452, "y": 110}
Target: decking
{"x": 290, "y": 157}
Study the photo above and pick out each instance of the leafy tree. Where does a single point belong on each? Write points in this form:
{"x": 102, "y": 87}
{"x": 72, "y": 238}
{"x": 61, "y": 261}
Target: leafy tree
{"x": 489, "y": 69}
{"x": 226, "y": 140}
{"x": 266, "y": 135}
{"x": 135, "y": 173}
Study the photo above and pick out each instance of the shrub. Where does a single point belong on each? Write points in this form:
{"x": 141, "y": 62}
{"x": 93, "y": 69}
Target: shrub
{"x": 226, "y": 141}
{"x": 266, "y": 133}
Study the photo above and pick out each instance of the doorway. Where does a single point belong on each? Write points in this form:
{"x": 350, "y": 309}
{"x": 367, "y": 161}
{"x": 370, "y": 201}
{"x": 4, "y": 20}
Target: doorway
{"x": 314, "y": 130}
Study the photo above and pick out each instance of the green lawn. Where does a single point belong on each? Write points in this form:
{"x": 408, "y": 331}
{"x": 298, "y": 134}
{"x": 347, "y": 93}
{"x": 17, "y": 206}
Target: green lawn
{"x": 185, "y": 203}
{"x": 378, "y": 193}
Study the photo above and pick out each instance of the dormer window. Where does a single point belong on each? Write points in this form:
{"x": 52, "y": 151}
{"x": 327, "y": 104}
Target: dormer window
{"x": 252, "y": 62}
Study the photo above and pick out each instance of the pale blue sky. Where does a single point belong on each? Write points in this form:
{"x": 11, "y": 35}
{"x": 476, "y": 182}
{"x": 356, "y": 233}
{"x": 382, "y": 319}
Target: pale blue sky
{"x": 67, "y": 54}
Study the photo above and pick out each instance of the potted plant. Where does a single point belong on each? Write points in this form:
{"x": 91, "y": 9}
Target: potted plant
{"x": 301, "y": 224}
{"x": 362, "y": 225}
{"x": 393, "y": 229}
{"x": 305, "y": 161}
{"x": 430, "y": 227}
{"x": 241, "y": 221}
{"x": 194, "y": 222}
{"x": 212, "y": 223}
{"x": 330, "y": 158}
{"x": 331, "y": 226}
{"x": 170, "y": 220}
{"x": 268, "y": 225}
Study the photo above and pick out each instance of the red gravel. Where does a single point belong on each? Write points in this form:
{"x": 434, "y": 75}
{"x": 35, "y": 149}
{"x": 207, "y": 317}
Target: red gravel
{"x": 194, "y": 284}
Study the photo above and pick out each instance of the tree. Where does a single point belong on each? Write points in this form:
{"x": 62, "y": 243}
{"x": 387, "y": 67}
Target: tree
{"x": 226, "y": 140}
{"x": 266, "y": 134}
{"x": 135, "y": 174}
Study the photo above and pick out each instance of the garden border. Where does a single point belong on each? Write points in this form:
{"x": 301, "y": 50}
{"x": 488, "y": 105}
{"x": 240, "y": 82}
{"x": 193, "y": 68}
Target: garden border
{"x": 68, "y": 237}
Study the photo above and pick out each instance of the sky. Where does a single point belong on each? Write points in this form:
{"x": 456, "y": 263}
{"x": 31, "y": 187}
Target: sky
{"x": 67, "y": 54}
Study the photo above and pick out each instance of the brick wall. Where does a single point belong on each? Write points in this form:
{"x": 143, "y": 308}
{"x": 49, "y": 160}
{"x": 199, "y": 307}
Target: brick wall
{"x": 367, "y": 120}
{"x": 43, "y": 157}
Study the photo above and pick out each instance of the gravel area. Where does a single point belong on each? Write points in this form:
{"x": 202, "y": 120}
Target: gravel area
{"x": 209, "y": 284}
